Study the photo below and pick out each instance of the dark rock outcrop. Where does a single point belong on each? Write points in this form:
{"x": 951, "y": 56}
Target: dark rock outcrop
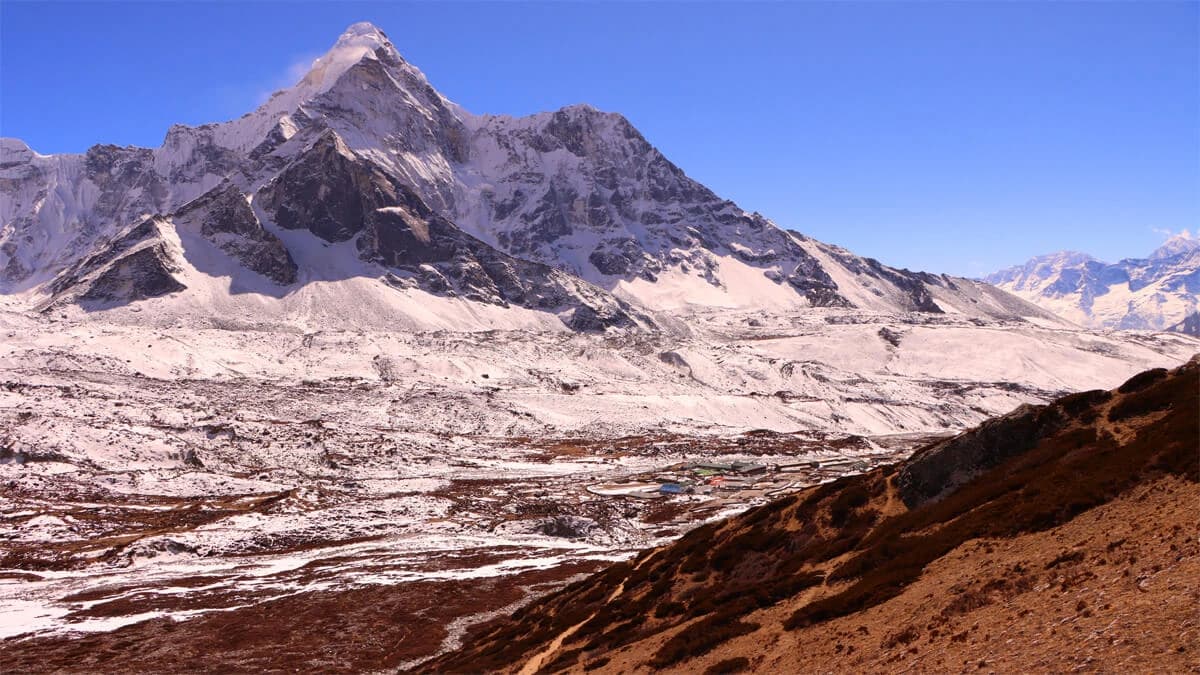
{"x": 941, "y": 468}
{"x": 224, "y": 217}
{"x": 135, "y": 266}
{"x": 328, "y": 191}
{"x": 913, "y": 285}
{"x": 144, "y": 273}
{"x": 440, "y": 258}
{"x": 338, "y": 196}
{"x": 648, "y": 213}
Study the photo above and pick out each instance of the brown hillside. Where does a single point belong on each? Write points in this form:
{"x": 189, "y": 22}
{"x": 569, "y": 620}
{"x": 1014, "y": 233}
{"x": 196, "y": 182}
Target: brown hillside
{"x": 1056, "y": 537}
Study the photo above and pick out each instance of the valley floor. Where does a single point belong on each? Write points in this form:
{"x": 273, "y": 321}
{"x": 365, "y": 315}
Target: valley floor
{"x": 370, "y": 494}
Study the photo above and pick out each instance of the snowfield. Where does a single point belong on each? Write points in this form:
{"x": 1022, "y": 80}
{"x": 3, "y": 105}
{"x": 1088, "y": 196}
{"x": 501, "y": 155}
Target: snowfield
{"x": 174, "y": 470}
{"x": 723, "y": 372}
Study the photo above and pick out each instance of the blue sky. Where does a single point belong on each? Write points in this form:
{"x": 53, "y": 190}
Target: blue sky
{"x": 958, "y": 137}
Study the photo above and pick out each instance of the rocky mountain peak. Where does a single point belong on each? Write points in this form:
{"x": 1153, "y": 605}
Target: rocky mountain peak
{"x": 363, "y": 32}
{"x": 577, "y": 190}
{"x": 12, "y": 149}
{"x": 1184, "y": 242}
{"x": 360, "y": 41}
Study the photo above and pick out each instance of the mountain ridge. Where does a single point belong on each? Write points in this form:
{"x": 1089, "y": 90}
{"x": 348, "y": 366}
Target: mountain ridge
{"x": 1158, "y": 292}
{"x": 577, "y": 189}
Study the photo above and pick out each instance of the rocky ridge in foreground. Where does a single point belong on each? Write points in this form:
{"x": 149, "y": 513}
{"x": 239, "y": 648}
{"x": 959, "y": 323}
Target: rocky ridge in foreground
{"x": 1053, "y": 538}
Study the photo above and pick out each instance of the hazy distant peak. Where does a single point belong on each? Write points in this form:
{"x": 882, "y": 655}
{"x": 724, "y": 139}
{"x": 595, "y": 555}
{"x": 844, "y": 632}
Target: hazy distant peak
{"x": 1184, "y": 242}
{"x": 1152, "y": 293}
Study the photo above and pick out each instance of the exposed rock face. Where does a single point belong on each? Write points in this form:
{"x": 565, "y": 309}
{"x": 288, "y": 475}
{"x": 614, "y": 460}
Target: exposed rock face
{"x": 225, "y": 218}
{"x": 327, "y": 191}
{"x": 613, "y": 188}
{"x": 119, "y": 171}
{"x": 365, "y": 96}
{"x": 617, "y": 186}
{"x": 136, "y": 266}
{"x": 440, "y": 258}
{"x": 144, "y": 273}
{"x": 1153, "y": 293}
{"x": 914, "y": 285}
{"x": 53, "y": 209}
{"x": 336, "y": 195}
{"x": 818, "y": 288}
{"x": 944, "y": 467}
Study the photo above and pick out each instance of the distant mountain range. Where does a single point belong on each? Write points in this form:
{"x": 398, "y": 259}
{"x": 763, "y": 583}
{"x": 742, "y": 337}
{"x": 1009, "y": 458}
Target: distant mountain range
{"x": 1160, "y": 292}
{"x": 362, "y": 195}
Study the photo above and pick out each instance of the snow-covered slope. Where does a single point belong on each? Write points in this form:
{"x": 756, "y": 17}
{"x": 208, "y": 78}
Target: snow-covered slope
{"x": 362, "y": 241}
{"x": 1154, "y": 293}
{"x": 577, "y": 190}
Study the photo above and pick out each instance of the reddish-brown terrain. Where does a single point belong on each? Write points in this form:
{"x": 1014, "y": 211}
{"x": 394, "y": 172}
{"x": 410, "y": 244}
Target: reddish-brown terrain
{"x": 340, "y": 631}
{"x": 1056, "y": 538}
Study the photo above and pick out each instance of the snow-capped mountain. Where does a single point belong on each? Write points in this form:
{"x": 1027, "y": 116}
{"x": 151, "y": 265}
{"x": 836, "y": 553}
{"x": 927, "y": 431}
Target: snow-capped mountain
{"x": 361, "y": 190}
{"x": 361, "y": 339}
{"x": 1160, "y": 292}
